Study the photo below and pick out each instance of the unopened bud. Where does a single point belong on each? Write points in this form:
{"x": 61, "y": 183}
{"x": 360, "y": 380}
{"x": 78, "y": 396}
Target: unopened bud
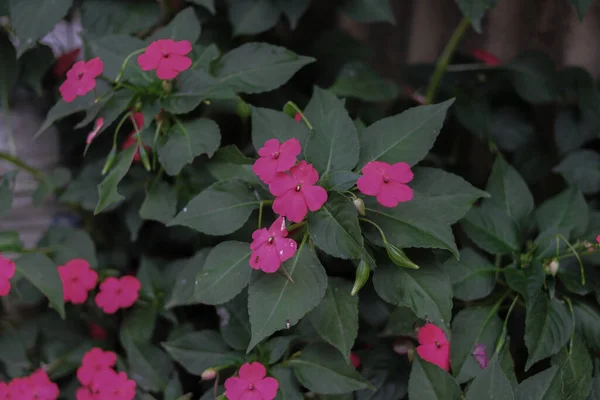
{"x": 411, "y": 355}
{"x": 110, "y": 160}
{"x": 209, "y": 374}
{"x": 551, "y": 268}
{"x": 138, "y": 106}
{"x": 167, "y": 86}
{"x": 359, "y": 204}
{"x": 398, "y": 257}
{"x": 242, "y": 109}
{"x": 362, "y": 276}
{"x": 590, "y": 247}
{"x": 403, "y": 346}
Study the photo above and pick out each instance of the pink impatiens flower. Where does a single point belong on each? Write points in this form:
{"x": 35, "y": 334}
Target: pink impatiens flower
{"x": 97, "y": 126}
{"x": 167, "y": 57}
{"x": 354, "y": 360}
{"x": 42, "y": 388}
{"x": 251, "y": 384}
{"x": 7, "y": 271}
{"x": 434, "y": 346}
{"x": 598, "y": 239}
{"x": 81, "y": 79}
{"x": 270, "y": 248}
{"x": 479, "y": 355}
{"x": 110, "y": 385}
{"x": 77, "y": 278}
{"x": 95, "y": 361}
{"x": 296, "y": 192}
{"x": 118, "y": 293}
{"x": 387, "y": 182}
{"x": 276, "y": 157}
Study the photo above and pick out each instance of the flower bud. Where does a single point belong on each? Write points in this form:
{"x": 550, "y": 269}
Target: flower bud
{"x": 110, "y": 160}
{"x": 551, "y": 268}
{"x": 359, "y": 204}
{"x": 209, "y": 374}
{"x": 590, "y": 247}
{"x": 411, "y": 355}
{"x": 362, "y": 276}
{"x": 145, "y": 159}
{"x": 398, "y": 257}
{"x": 242, "y": 109}
{"x": 167, "y": 86}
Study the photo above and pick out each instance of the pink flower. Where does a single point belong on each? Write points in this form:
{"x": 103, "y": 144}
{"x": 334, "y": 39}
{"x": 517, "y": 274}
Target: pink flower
{"x": 7, "y": 271}
{"x": 42, "y": 387}
{"x": 81, "y": 79}
{"x": 86, "y": 393}
{"x": 97, "y": 126}
{"x": 297, "y": 193}
{"x": 110, "y": 385}
{"x": 598, "y": 239}
{"x": 251, "y": 384}
{"x": 355, "y": 360}
{"x": 275, "y": 157}
{"x": 433, "y": 346}
{"x": 97, "y": 332}
{"x": 20, "y": 388}
{"x": 387, "y": 182}
{"x": 486, "y": 57}
{"x": 479, "y": 354}
{"x": 118, "y": 293}
{"x": 77, "y": 279}
{"x": 95, "y": 361}
{"x": 167, "y": 57}
{"x": 270, "y": 247}
{"x": 298, "y": 117}
{"x": 131, "y": 140}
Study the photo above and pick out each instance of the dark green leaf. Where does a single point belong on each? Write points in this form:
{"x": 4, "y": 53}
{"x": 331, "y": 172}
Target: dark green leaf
{"x": 491, "y": 229}
{"x": 258, "y": 67}
{"x": 219, "y": 210}
{"x": 430, "y": 382}
{"x": 339, "y": 181}
{"x": 527, "y": 280}
{"x": 333, "y": 144}
{"x": 271, "y": 124}
{"x": 70, "y": 243}
{"x": 10, "y": 241}
{"x": 587, "y": 322}
{"x": 225, "y": 273}
{"x": 41, "y": 272}
{"x": 534, "y": 78}
{"x": 208, "y": 4}
{"x": 336, "y": 318}
{"x": 6, "y": 192}
{"x": 572, "y": 131}
{"x": 149, "y": 366}
{"x": 492, "y": 383}
{"x": 275, "y": 303}
{"x": 250, "y": 17}
{"x": 359, "y": 80}
{"x": 35, "y": 63}
{"x": 537, "y": 386}
{"x": 235, "y": 323}
{"x": 202, "y": 56}
{"x": 406, "y": 137}
{"x": 322, "y": 369}
{"x": 293, "y": 10}
{"x": 160, "y": 203}
{"x": 114, "y": 107}
{"x": 185, "y": 283}
{"x": 187, "y": 140}
{"x": 276, "y": 347}
{"x": 107, "y": 190}
{"x": 427, "y": 291}
{"x": 113, "y": 50}
{"x": 289, "y": 389}
{"x": 369, "y": 11}
{"x": 402, "y": 322}
{"x": 474, "y": 10}
{"x": 565, "y": 210}
{"x": 173, "y": 391}
{"x": 185, "y": 26}
{"x": 139, "y": 323}
{"x": 581, "y": 169}
{"x": 574, "y": 378}
{"x": 473, "y": 276}
{"x": 105, "y": 17}
{"x": 581, "y": 6}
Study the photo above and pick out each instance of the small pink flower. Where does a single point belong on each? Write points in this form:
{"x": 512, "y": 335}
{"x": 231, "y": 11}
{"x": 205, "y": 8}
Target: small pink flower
{"x": 270, "y": 248}
{"x": 20, "y": 388}
{"x": 276, "y": 157}
{"x": 486, "y": 57}
{"x": 4, "y": 391}
{"x": 355, "y": 360}
{"x": 110, "y": 385}
{"x": 81, "y": 79}
{"x": 118, "y": 293}
{"x": 167, "y": 57}
{"x": 131, "y": 140}
{"x": 42, "y": 387}
{"x": 85, "y": 393}
{"x": 93, "y": 362}
{"x": 97, "y": 126}
{"x": 598, "y": 239}
{"x": 479, "y": 355}
{"x": 7, "y": 271}
{"x": 296, "y": 192}
{"x": 251, "y": 384}
{"x": 77, "y": 278}
{"x": 387, "y": 182}
{"x": 97, "y": 332}
{"x": 298, "y": 117}
{"x": 434, "y": 346}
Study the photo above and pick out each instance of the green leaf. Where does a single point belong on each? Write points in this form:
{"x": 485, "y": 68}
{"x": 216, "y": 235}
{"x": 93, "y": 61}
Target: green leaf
{"x": 369, "y": 11}
{"x": 508, "y": 191}
{"x": 293, "y": 10}
{"x": 35, "y": 64}
{"x": 359, "y": 80}
{"x": 258, "y": 67}
{"x": 10, "y": 241}
{"x": 276, "y": 347}
{"x": 427, "y": 291}
{"x": 235, "y": 323}
{"x": 339, "y": 181}
{"x": 107, "y": 190}
{"x": 225, "y": 273}
{"x": 197, "y": 351}
{"x": 574, "y": 378}
{"x": 185, "y": 283}
{"x": 449, "y": 194}
{"x": 565, "y": 210}
{"x": 406, "y": 137}
{"x": 250, "y": 17}
{"x": 140, "y": 322}
{"x": 581, "y": 169}
{"x": 6, "y": 192}
{"x": 160, "y": 203}
{"x": 105, "y": 17}
{"x": 571, "y": 131}
{"x": 149, "y": 366}
{"x": 113, "y": 50}
{"x": 387, "y": 372}
{"x": 336, "y": 318}
{"x": 548, "y": 326}
{"x": 474, "y": 10}
{"x": 322, "y": 369}
{"x": 288, "y": 386}
{"x": 492, "y": 230}
{"x": 335, "y": 230}
{"x": 492, "y": 383}
{"x": 430, "y": 382}
{"x": 526, "y": 281}
{"x": 221, "y": 209}
{"x": 187, "y": 140}
{"x": 402, "y": 322}
{"x": 271, "y": 124}
{"x": 275, "y": 303}
{"x": 333, "y": 144}
{"x": 471, "y": 326}
{"x": 411, "y": 224}
{"x": 173, "y": 391}
{"x": 41, "y": 272}
{"x": 193, "y": 88}
{"x": 208, "y": 4}
{"x": 473, "y": 276}
{"x": 32, "y": 19}
{"x": 581, "y": 6}
{"x": 202, "y": 56}
{"x": 69, "y": 243}
{"x": 114, "y": 107}
{"x": 533, "y": 76}
{"x": 587, "y": 323}
{"x": 185, "y": 26}
{"x": 537, "y": 386}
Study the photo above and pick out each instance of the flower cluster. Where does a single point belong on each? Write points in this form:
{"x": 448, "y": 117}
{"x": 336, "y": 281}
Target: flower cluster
{"x": 7, "y": 271}
{"x": 77, "y": 279}
{"x": 100, "y": 381}
{"x": 251, "y": 383}
{"x": 36, "y": 386}
{"x": 116, "y": 293}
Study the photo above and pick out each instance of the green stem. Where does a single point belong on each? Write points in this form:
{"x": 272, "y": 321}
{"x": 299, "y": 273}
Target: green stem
{"x": 121, "y": 122}
{"x": 155, "y": 144}
{"x": 260, "y": 214}
{"x": 296, "y": 226}
{"x": 376, "y": 226}
{"x": 39, "y": 175}
{"x": 444, "y": 60}
{"x": 576, "y": 256}
{"x": 297, "y": 109}
{"x": 122, "y": 71}
{"x": 502, "y": 337}
{"x": 568, "y": 300}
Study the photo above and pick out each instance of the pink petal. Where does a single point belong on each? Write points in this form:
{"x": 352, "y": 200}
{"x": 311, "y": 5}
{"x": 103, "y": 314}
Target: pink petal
{"x": 265, "y": 168}
{"x": 94, "y": 67}
{"x": 278, "y": 228}
{"x": 259, "y": 237}
{"x": 147, "y": 62}
{"x": 285, "y": 248}
{"x": 76, "y": 293}
{"x": 281, "y": 184}
{"x": 305, "y": 173}
{"x": 258, "y": 255}
{"x": 110, "y": 284}
{"x": 107, "y": 302}
{"x": 355, "y": 360}
{"x": 130, "y": 287}
{"x": 252, "y": 372}
{"x": 235, "y": 387}
{"x": 375, "y": 168}
{"x": 251, "y": 395}
{"x": 387, "y": 197}
{"x": 288, "y": 154}
{"x": 165, "y": 72}
{"x": 438, "y": 356}
{"x": 179, "y": 63}
{"x": 400, "y": 172}
{"x": 291, "y": 205}
{"x": 315, "y": 196}
{"x": 369, "y": 184}
{"x": 270, "y": 261}
{"x": 430, "y": 333}
{"x": 267, "y": 388}
{"x": 138, "y": 119}
{"x": 89, "y": 279}
{"x": 402, "y": 192}
{"x": 68, "y": 91}
{"x": 85, "y": 85}
{"x": 4, "y": 287}
{"x": 7, "y": 267}
{"x": 479, "y": 355}
{"x": 77, "y": 69}
{"x": 182, "y": 47}
{"x": 271, "y": 146}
